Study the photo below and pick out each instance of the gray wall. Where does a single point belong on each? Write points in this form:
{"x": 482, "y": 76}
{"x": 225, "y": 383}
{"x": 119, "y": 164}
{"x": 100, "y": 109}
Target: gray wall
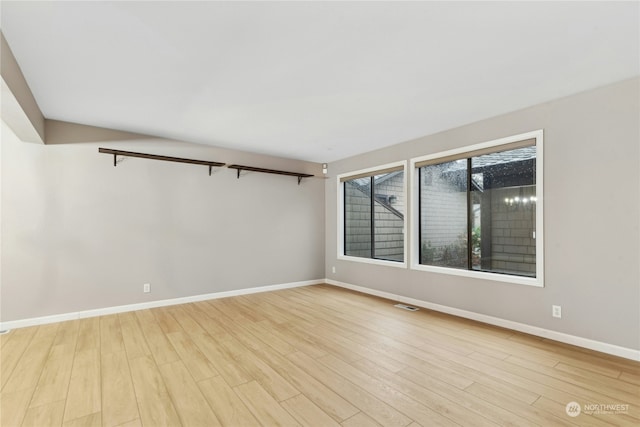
{"x": 592, "y": 220}
{"x": 79, "y": 234}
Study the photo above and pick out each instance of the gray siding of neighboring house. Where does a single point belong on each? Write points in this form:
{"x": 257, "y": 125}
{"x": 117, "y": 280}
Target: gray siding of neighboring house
{"x": 389, "y": 234}
{"x": 513, "y": 248}
{"x": 394, "y": 186}
{"x": 443, "y": 216}
{"x": 358, "y": 221}
{"x": 389, "y": 225}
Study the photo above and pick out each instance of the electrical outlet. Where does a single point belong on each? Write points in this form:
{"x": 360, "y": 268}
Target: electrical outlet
{"x": 556, "y": 311}
{"x": 333, "y": 269}
{"x": 146, "y": 288}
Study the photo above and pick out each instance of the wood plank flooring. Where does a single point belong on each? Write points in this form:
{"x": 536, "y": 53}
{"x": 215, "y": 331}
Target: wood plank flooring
{"x": 310, "y": 356}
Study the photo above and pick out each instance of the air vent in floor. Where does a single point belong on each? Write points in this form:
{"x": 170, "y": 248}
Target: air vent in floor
{"x": 407, "y": 307}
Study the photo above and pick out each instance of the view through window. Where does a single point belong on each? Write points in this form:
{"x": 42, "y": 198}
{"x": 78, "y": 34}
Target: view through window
{"x": 374, "y": 216}
{"x": 478, "y": 211}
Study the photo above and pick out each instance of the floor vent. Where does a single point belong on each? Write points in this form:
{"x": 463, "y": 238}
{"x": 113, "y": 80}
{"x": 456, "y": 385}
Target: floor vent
{"x": 406, "y": 307}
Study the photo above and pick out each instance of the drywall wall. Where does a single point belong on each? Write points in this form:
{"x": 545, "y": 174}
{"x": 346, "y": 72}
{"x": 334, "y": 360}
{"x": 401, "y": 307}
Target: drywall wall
{"x": 591, "y": 217}
{"x": 80, "y": 234}
{"x": 19, "y": 108}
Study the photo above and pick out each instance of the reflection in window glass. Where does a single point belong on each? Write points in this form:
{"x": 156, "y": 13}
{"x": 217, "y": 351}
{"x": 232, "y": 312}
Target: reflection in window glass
{"x": 443, "y": 214}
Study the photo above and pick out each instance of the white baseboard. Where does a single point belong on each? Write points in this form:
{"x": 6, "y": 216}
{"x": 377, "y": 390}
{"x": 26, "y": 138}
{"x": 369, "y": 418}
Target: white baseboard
{"x": 14, "y": 324}
{"x": 612, "y": 349}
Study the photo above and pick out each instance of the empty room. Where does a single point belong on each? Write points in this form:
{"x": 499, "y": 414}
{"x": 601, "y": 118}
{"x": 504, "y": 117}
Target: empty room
{"x": 312, "y": 213}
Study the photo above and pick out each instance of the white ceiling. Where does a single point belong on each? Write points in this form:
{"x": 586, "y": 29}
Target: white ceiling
{"x": 316, "y": 81}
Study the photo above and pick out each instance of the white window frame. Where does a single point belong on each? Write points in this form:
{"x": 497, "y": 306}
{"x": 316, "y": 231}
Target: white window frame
{"x": 538, "y": 281}
{"x": 340, "y": 215}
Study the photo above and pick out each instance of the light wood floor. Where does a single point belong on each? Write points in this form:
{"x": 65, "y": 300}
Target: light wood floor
{"x": 315, "y": 356}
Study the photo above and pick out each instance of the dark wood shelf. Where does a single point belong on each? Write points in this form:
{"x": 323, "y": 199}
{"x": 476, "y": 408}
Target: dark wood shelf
{"x": 116, "y": 153}
{"x": 299, "y": 175}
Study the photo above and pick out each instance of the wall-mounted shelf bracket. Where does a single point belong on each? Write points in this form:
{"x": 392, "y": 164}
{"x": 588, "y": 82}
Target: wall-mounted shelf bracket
{"x": 117, "y": 160}
{"x": 299, "y": 175}
{"x": 117, "y": 153}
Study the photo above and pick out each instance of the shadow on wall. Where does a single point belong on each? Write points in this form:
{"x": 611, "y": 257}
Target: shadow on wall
{"x": 57, "y": 132}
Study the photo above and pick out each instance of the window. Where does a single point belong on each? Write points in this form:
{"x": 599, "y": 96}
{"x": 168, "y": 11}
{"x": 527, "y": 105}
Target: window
{"x": 373, "y": 214}
{"x": 479, "y": 210}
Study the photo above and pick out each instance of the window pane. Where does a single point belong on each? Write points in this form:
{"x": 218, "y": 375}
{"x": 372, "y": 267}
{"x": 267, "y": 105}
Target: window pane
{"x": 504, "y": 214}
{"x": 357, "y": 217}
{"x": 477, "y": 180}
{"x": 389, "y": 216}
{"x": 443, "y": 214}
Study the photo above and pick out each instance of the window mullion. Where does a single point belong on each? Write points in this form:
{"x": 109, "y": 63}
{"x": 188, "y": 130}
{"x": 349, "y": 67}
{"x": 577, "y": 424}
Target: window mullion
{"x": 420, "y": 215}
{"x": 373, "y": 234}
{"x": 469, "y": 213}
{"x": 344, "y": 216}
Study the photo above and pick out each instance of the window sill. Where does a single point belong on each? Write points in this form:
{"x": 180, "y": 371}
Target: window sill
{"x": 494, "y": 277}
{"x": 385, "y": 263}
